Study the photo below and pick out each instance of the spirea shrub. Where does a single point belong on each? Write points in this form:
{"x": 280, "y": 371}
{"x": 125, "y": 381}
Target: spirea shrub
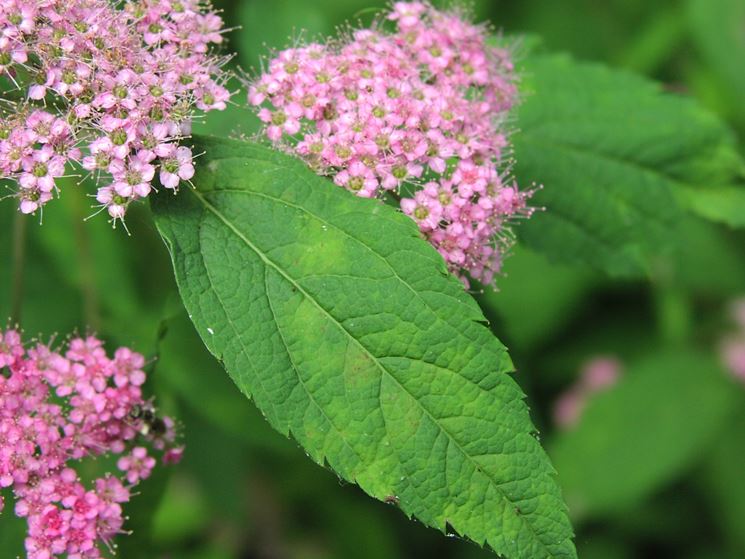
{"x": 105, "y": 86}
{"x": 332, "y": 313}
{"x": 58, "y": 408}
{"x": 419, "y": 112}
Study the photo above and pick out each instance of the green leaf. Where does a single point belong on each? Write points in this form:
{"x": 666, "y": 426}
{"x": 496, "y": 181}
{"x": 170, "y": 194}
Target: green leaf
{"x": 49, "y": 304}
{"x": 278, "y": 24}
{"x": 655, "y": 41}
{"x": 531, "y": 309}
{"x": 723, "y": 483}
{"x": 710, "y": 262}
{"x": 719, "y": 33}
{"x": 344, "y": 327}
{"x": 97, "y": 263}
{"x": 611, "y": 150}
{"x": 643, "y": 433}
{"x": 236, "y": 120}
{"x": 723, "y": 204}
{"x": 182, "y": 512}
{"x": 210, "y": 393}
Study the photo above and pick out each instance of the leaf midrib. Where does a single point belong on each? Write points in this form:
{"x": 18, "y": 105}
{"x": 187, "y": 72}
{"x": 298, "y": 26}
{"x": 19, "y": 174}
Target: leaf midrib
{"x": 317, "y": 217}
{"x": 394, "y": 272}
{"x": 268, "y": 262}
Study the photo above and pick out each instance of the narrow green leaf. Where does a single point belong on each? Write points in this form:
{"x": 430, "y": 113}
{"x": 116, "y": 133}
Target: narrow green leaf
{"x": 611, "y": 150}
{"x": 344, "y": 327}
{"x": 644, "y": 432}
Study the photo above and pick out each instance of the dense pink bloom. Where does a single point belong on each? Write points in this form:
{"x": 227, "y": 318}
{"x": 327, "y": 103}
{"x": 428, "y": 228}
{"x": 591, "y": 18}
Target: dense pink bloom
{"x": 57, "y": 409}
{"x": 418, "y": 113}
{"x": 109, "y": 86}
{"x": 597, "y": 375}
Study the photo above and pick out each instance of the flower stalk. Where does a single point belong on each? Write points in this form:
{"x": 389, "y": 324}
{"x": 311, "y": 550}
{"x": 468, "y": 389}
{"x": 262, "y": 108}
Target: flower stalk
{"x": 18, "y": 267}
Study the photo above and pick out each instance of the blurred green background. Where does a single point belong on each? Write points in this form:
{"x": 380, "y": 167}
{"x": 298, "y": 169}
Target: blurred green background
{"x": 656, "y": 465}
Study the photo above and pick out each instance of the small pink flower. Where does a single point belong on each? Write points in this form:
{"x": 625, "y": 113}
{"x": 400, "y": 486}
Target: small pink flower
{"x": 176, "y": 167}
{"x": 408, "y": 14}
{"x": 41, "y": 169}
{"x": 425, "y": 208}
{"x": 173, "y": 455}
{"x": 213, "y": 97}
{"x": 136, "y": 466}
{"x": 133, "y": 178}
{"x": 111, "y": 490}
{"x": 115, "y": 204}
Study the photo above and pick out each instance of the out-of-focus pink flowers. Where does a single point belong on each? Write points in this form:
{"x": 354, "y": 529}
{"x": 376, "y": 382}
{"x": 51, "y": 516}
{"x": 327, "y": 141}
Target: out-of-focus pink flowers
{"x": 597, "y": 375}
{"x": 732, "y": 348}
{"x": 733, "y": 354}
{"x": 738, "y": 313}
{"x": 106, "y": 86}
{"x": 57, "y": 409}
{"x": 418, "y": 112}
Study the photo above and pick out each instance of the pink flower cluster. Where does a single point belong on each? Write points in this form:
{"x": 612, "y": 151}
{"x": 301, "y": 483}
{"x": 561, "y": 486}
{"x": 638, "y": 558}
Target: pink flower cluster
{"x": 733, "y": 347}
{"x": 419, "y": 113}
{"x": 57, "y": 409}
{"x": 105, "y": 85}
{"x": 597, "y": 375}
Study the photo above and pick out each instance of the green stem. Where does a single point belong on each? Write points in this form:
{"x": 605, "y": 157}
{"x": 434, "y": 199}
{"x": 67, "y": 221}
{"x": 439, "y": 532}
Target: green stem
{"x": 674, "y": 315}
{"x": 91, "y": 307}
{"x": 672, "y": 308}
{"x": 18, "y": 267}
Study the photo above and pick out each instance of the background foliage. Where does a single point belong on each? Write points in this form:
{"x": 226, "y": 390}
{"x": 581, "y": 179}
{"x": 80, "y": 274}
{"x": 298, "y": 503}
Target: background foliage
{"x": 655, "y": 467}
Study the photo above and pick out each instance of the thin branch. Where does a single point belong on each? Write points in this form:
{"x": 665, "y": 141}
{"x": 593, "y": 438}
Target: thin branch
{"x": 18, "y": 267}
{"x": 88, "y": 287}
